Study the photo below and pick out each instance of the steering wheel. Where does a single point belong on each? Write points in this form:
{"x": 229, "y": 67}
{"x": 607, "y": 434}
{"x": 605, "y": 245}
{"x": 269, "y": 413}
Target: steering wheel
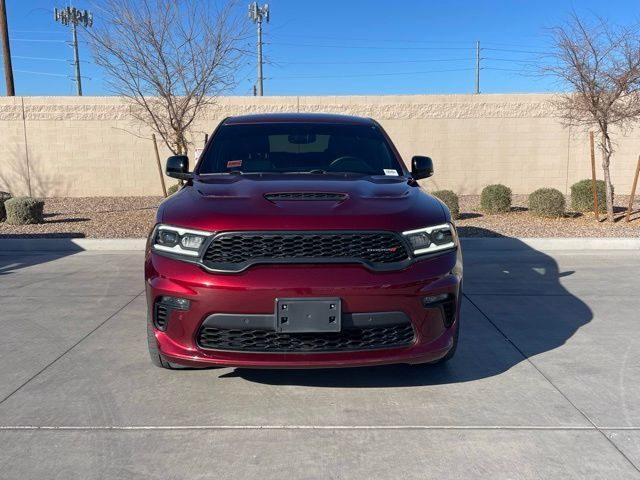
{"x": 349, "y": 164}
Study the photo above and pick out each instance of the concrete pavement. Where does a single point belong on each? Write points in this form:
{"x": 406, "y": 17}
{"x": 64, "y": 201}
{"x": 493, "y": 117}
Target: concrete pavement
{"x": 545, "y": 384}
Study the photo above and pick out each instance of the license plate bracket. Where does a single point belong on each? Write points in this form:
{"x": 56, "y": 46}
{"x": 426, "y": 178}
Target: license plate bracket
{"x": 299, "y": 315}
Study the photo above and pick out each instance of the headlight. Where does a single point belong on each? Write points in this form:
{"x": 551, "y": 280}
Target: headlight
{"x": 432, "y": 239}
{"x": 180, "y": 241}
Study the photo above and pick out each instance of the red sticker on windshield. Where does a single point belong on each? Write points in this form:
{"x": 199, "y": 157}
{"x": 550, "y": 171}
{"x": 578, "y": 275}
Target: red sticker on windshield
{"x": 234, "y": 163}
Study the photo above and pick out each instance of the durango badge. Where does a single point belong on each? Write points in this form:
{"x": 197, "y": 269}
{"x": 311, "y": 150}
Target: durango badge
{"x": 391, "y": 249}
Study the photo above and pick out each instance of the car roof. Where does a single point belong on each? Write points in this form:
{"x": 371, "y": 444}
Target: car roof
{"x": 298, "y": 118}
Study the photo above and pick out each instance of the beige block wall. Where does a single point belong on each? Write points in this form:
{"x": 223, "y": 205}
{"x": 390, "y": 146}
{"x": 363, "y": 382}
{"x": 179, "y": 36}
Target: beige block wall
{"x": 90, "y": 146}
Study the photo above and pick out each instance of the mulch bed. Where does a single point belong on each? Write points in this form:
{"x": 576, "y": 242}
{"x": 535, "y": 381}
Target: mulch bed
{"x": 132, "y": 217}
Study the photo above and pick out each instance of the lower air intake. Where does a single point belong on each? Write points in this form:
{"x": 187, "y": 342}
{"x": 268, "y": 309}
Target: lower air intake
{"x": 353, "y": 339}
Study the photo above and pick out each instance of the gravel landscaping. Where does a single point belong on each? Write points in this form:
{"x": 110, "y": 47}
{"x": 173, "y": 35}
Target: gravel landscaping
{"x": 91, "y": 217}
{"x": 132, "y": 217}
{"x": 519, "y": 223}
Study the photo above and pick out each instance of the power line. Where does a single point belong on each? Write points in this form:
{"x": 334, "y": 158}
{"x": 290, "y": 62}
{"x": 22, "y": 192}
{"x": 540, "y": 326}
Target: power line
{"x": 42, "y": 73}
{"x": 375, "y": 74}
{"x": 43, "y": 40}
{"x": 510, "y": 60}
{"x": 515, "y": 51}
{"x": 39, "y": 58}
{"x": 36, "y": 31}
{"x": 372, "y": 62}
{"x": 512, "y": 45}
{"x": 364, "y": 47}
{"x": 504, "y": 69}
{"x": 377, "y": 40}
{"x": 404, "y": 41}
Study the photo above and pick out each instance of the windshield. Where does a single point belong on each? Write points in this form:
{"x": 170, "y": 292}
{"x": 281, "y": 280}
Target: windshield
{"x": 299, "y": 147}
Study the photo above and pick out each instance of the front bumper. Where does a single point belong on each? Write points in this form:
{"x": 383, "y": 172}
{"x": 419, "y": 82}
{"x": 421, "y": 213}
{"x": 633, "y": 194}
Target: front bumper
{"x": 253, "y": 293}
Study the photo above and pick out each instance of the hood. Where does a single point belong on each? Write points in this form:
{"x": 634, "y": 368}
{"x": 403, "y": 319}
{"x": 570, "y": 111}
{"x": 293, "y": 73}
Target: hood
{"x": 301, "y": 202}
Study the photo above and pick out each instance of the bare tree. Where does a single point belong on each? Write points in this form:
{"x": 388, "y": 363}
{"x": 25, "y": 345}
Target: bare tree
{"x": 601, "y": 66}
{"x": 168, "y": 58}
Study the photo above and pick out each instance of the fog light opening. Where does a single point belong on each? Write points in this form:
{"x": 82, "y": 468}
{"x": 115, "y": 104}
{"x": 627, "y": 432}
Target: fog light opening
{"x": 176, "y": 303}
{"x": 435, "y": 299}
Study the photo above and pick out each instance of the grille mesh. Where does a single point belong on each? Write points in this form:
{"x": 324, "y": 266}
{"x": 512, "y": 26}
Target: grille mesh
{"x": 270, "y": 341}
{"x": 235, "y": 250}
{"x": 288, "y": 196}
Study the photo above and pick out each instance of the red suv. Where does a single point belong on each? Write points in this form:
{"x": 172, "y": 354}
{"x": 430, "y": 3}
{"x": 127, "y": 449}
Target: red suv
{"x": 301, "y": 240}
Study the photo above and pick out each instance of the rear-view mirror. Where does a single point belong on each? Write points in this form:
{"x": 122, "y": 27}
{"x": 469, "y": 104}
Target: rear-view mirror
{"x": 302, "y": 138}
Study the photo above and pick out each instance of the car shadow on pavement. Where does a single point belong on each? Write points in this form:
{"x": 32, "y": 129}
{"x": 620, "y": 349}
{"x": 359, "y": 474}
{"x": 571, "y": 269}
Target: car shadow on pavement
{"x": 13, "y": 255}
{"x": 514, "y": 308}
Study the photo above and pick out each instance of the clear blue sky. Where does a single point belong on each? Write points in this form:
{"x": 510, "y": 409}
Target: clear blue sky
{"x": 334, "y": 47}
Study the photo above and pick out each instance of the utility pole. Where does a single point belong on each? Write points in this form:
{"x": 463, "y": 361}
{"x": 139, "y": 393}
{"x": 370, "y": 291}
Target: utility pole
{"x": 73, "y": 16}
{"x": 257, "y": 14}
{"x": 477, "y": 67}
{"x": 6, "y": 50}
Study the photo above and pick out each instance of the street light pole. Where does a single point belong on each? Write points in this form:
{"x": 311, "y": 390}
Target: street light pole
{"x": 258, "y": 14}
{"x": 73, "y": 16}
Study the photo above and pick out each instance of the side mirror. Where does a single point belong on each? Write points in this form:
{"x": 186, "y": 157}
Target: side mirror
{"x": 421, "y": 167}
{"x": 178, "y": 167}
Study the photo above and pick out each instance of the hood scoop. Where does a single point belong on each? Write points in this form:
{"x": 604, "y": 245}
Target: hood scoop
{"x": 305, "y": 196}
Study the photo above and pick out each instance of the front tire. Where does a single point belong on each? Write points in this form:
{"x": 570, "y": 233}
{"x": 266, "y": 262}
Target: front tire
{"x": 450, "y": 354}
{"x": 452, "y": 351}
{"x": 156, "y": 358}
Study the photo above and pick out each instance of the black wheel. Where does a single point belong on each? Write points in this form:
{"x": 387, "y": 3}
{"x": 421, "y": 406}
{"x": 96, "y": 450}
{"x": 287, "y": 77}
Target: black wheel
{"x": 451, "y": 353}
{"x": 156, "y": 358}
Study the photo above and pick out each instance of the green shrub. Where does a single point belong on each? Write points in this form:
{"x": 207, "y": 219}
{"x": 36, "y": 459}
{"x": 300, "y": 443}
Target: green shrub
{"x": 547, "y": 202}
{"x": 450, "y": 199}
{"x": 495, "y": 199}
{"x": 4, "y": 196}
{"x": 24, "y": 210}
{"x": 582, "y": 196}
{"x": 173, "y": 189}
